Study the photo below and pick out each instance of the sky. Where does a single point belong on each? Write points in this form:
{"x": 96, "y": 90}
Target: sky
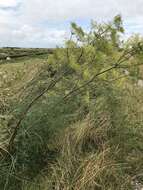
{"x": 46, "y": 23}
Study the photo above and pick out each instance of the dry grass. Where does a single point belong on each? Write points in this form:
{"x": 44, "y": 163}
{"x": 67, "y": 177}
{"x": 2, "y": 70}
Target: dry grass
{"x": 86, "y": 162}
{"x": 14, "y": 76}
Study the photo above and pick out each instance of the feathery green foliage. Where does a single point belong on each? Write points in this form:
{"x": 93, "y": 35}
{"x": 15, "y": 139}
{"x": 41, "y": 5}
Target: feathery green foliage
{"x": 76, "y": 122}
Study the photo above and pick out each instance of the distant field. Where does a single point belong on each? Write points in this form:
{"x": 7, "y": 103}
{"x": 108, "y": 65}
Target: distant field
{"x": 14, "y": 52}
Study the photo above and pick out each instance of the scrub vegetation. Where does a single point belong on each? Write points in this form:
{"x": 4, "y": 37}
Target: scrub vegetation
{"x": 72, "y": 118}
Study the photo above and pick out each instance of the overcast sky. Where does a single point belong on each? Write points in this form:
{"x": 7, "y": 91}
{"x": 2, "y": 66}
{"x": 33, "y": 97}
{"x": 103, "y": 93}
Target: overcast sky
{"x": 46, "y": 23}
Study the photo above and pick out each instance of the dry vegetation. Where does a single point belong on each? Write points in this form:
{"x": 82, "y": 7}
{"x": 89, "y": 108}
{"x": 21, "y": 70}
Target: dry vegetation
{"x": 73, "y": 119}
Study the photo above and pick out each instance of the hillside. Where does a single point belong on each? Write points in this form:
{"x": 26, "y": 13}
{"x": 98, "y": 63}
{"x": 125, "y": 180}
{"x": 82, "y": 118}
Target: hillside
{"x": 73, "y": 119}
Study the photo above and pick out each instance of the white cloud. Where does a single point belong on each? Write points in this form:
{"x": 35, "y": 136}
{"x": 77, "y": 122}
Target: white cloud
{"x": 27, "y": 35}
{"x": 73, "y": 9}
{"x": 22, "y": 26}
{"x": 8, "y": 3}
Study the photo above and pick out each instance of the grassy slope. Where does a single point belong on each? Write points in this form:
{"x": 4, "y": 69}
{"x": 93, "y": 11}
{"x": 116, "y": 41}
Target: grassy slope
{"x": 99, "y": 158}
{"x": 14, "y": 75}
